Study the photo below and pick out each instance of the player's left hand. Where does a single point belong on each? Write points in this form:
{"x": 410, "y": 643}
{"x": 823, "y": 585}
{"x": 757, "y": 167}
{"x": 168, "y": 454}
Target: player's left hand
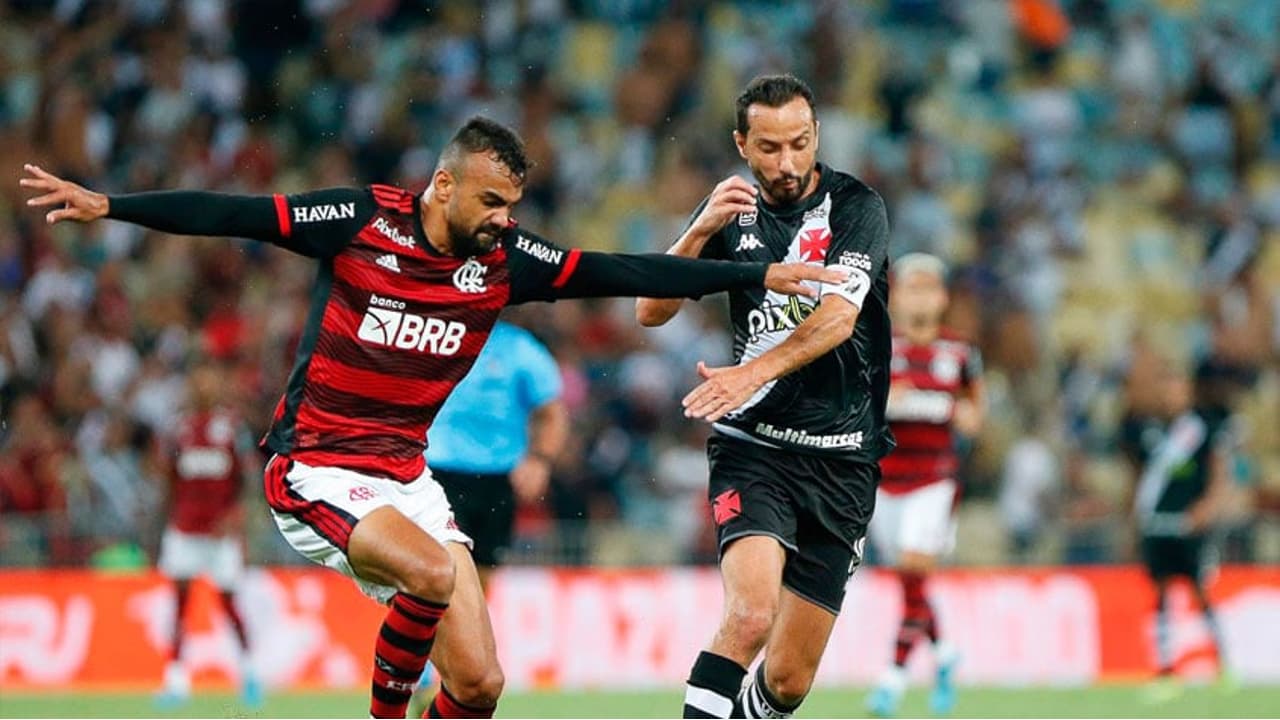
{"x": 530, "y": 479}
{"x": 723, "y": 390}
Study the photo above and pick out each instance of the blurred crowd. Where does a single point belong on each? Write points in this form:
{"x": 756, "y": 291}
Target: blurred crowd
{"x": 1103, "y": 178}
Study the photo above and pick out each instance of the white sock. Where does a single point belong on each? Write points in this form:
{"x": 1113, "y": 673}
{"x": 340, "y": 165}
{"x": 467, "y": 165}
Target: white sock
{"x": 894, "y": 679}
{"x": 176, "y": 679}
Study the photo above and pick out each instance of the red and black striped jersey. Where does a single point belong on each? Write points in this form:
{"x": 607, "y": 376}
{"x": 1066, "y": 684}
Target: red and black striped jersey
{"x": 206, "y": 469}
{"x": 928, "y": 379}
{"x": 394, "y": 325}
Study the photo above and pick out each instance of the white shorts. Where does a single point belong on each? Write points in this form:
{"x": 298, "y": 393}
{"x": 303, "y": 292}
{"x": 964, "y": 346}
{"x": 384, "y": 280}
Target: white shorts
{"x": 184, "y": 556}
{"x": 316, "y": 509}
{"x": 918, "y": 521}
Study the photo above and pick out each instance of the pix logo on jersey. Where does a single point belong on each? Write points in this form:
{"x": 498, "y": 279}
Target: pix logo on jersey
{"x": 385, "y": 323}
{"x": 392, "y": 233}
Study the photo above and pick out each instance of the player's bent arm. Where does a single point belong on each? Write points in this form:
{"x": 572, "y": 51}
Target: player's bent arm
{"x": 829, "y": 325}
{"x": 725, "y": 389}
{"x": 652, "y": 312}
{"x": 1203, "y": 513}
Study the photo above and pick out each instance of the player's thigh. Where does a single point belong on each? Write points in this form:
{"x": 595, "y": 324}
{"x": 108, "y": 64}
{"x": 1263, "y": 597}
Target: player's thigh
{"x": 751, "y": 569}
{"x": 387, "y": 548}
{"x": 465, "y": 652}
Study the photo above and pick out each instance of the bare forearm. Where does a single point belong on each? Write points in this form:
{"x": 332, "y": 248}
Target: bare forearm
{"x": 652, "y": 312}
{"x": 548, "y": 430}
{"x": 826, "y": 328}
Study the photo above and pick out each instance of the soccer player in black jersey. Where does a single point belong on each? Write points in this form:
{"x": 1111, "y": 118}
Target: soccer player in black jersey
{"x": 800, "y": 419}
{"x": 1184, "y": 475}
{"x": 407, "y": 290}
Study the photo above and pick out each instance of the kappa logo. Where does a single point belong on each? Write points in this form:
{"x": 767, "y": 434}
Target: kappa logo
{"x": 389, "y": 262}
{"x": 392, "y": 233}
{"x": 748, "y": 241}
{"x": 385, "y": 324}
{"x": 320, "y": 213}
{"x": 747, "y": 219}
{"x": 470, "y": 277}
{"x": 726, "y": 506}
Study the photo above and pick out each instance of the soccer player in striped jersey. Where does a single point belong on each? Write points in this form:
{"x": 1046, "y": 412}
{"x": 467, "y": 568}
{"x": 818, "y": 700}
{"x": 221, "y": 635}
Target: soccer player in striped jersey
{"x": 407, "y": 290}
{"x": 935, "y": 393}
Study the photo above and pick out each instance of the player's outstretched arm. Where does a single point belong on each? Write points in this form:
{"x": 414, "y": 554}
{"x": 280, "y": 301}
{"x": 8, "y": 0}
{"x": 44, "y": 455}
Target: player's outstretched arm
{"x": 665, "y": 276}
{"x": 730, "y": 198}
{"x": 541, "y": 270}
{"x": 181, "y": 212}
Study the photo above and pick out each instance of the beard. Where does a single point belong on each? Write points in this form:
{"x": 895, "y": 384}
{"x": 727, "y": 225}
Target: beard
{"x": 778, "y": 189}
{"x": 471, "y": 242}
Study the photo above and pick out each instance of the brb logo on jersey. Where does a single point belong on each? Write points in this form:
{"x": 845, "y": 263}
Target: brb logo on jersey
{"x": 470, "y": 277}
{"x": 385, "y": 323}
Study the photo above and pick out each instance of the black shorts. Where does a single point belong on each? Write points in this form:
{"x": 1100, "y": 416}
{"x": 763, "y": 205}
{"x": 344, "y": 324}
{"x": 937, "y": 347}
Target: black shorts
{"x": 1173, "y": 556}
{"x": 484, "y": 506}
{"x": 817, "y": 507}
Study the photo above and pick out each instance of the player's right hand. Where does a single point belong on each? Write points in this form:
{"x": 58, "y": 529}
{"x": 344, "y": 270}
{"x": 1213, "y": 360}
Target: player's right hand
{"x": 792, "y": 278}
{"x": 77, "y": 203}
{"x": 730, "y": 198}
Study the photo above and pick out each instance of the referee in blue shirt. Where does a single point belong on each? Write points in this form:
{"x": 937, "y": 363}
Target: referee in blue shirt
{"x": 494, "y": 440}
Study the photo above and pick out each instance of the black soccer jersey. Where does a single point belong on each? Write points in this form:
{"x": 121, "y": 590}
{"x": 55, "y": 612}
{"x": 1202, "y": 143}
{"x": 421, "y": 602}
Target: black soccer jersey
{"x": 1176, "y": 473}
{"x": 836, "y": 404}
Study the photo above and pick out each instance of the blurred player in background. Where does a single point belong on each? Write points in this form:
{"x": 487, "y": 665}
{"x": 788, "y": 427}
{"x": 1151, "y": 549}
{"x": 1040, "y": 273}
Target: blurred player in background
{"x": 493, "y": 445}
{"x": 209, "y": 457}
{"x": 794, "y": 470}
{"x": 408, "y": 288}
{"x": 936, "y": 394}
{"x": 1184, "y": 478}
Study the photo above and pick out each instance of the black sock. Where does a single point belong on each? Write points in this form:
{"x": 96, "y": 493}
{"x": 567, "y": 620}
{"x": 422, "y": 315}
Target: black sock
{"x": 758, "y": 702}
{"x": 714, "y": 682}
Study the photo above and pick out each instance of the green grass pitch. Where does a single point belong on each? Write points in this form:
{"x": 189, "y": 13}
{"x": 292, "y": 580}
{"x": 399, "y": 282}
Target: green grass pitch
{"x": 1104, "y": 701}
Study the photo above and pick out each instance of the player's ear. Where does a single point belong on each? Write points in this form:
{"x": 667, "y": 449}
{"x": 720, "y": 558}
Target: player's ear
{"x": 443, "y": 184}
{"x": 817, "y": 133}
{"x": 741, "y": 141}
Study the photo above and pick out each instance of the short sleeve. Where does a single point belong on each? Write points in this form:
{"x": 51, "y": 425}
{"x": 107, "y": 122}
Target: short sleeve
{"x": 860, "y": 243}
{"x": 714, "y": 249}
{"x": 322, "y": 222}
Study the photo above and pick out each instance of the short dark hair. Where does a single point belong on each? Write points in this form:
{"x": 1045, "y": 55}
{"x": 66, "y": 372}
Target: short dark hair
{"x": 773, "y": 91}
{"x": 482, "y": 135}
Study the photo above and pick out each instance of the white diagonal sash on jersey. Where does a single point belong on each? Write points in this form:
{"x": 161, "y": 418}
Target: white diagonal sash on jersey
{"x": 1179, "y": 444}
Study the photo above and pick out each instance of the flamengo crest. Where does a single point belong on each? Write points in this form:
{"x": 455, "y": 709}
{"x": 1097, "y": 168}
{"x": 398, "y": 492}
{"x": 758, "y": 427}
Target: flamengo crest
{"x": 470, "y": 277}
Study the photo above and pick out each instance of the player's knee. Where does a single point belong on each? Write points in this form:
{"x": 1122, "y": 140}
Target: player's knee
{"x": 750, "y": 623}
{"x": 483, "y": 690}
{"x": 788, "y": 683}
{"x": 430, "y": 578}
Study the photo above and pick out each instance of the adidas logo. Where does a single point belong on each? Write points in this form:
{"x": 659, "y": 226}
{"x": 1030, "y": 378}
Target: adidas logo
{"x": 389, "y": 262}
